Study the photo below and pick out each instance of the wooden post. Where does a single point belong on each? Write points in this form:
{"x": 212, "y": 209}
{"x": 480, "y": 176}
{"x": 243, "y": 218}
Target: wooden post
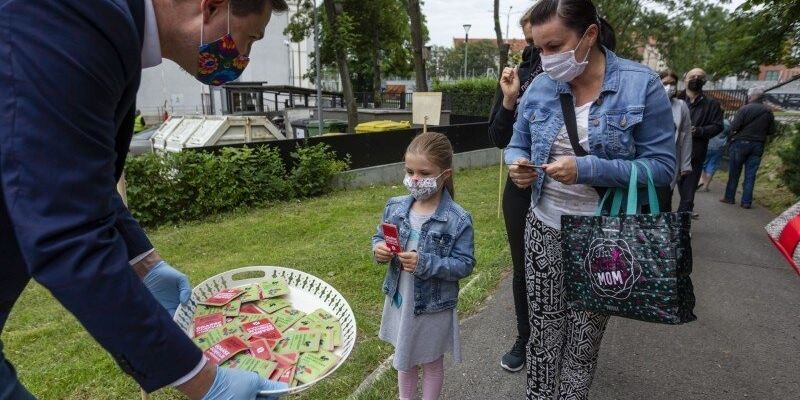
{"x": 500, "y": 185}
{"x": 122, "y": 188}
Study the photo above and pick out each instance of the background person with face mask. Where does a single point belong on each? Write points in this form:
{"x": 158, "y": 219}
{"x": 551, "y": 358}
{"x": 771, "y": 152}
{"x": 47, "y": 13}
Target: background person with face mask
{"x": 683, "y": 139}
{"x": 69, "y": 82}
{"x": 622, "y": 115}
{"x": 706, "y": 115}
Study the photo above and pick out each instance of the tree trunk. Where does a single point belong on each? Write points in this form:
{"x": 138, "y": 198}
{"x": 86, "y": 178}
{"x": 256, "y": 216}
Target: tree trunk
{"x": 502, "y": 47}
{"x": 376, "y": 69}
{"x": 344, "y": 69}
{"x": 415, "y": 14}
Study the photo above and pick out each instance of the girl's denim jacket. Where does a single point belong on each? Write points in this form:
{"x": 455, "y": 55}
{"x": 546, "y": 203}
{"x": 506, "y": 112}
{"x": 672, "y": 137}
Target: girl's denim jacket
{"x": 445, "y": 250}
{"x": 631, "y": 120}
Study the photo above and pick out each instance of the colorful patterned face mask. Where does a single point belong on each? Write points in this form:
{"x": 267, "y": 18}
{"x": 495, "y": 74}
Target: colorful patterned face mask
{"x": 422, "y": 188}
{"x": 220, "y": 62}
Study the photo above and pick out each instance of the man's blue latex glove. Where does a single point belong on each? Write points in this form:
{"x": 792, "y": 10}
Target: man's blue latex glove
{"x": 168, "y": 286}
{"x": 234, "y": 384}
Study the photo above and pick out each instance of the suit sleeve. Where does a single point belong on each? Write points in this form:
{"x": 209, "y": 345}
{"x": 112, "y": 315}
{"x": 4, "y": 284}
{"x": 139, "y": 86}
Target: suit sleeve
{"x": 62, "y": 75}
{"x": 714, "y": 126}
{"x": 136, "y": 240}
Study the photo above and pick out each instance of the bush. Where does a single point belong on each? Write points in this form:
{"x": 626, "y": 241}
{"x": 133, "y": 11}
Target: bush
{"x": 191, "y": 185}
{"x": 790, "y": 156}
{"x": 473, "y": 97}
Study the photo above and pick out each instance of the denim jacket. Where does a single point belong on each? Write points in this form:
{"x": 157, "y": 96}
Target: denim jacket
{"x": 445, "y": 252}
{"x": 631, "y": 120}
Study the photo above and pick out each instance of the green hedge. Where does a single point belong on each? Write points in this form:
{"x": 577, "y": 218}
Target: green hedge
{"x": 790, "y": 156}
{"x": 474, "y": 97}
{"x": 190, "y": 185}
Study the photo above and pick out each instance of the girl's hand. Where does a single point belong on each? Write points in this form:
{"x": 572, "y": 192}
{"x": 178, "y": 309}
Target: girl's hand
{"x": 408, "y": 260}
{"x": 521, "y": 176}
{"x": 382, "y": 253}
{"x": 564, "y": 170}
{"x": 509, "y": 84}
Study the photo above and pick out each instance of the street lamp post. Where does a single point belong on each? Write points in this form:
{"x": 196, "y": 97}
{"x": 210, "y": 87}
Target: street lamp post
{"x": 466, "y": 47}
{"x": 508, "y": 21}
{"x": 289, "y": 55}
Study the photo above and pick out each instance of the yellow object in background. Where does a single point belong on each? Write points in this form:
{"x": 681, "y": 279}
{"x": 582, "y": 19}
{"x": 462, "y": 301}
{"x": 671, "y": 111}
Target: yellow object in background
{"x": 382, "y": 126}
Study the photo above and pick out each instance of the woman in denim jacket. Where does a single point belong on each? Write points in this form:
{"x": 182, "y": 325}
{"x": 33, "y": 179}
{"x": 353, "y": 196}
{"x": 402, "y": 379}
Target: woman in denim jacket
{"x": 623, "y": 114}
{"x": 421, "y": 285}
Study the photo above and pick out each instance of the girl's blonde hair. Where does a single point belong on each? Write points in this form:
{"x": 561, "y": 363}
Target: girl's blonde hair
{"x": 437, "y": 149}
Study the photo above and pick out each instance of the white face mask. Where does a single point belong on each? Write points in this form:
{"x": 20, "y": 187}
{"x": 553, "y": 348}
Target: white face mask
{"x": 422, "y": 188}
{"x": 672, "y": 90}
{"x": 564, "y": 67}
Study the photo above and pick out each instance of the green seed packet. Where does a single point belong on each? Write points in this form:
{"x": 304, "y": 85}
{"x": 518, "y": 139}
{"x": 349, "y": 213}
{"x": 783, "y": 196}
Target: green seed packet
{"x": 315, "y": 364}
{"x": 234, "y": 329}
{"x": 203, "y": 309}
{"x": 272, "y": 305}
{"x": 274, "y": 288}
{"x": 245, "y": 318}
{"x": 251, "y": 293}
{"x": 246, "y": 362}
{"x": 285, "y": 318}
{"x": 333, "y": 328}
{"x": 322, "y": 316}
{"x": 232, "y": 309}
{"x": 208, "y": 339}
{"x": 298, "y": 342}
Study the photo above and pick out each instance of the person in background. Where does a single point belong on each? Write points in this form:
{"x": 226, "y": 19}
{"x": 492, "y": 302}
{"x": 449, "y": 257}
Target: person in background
{"x": 750, "y": 128}
{"x": 706, "y": 115}
{"x": 513, "y": 83}
{"x": 683, "y": 140}
{"x": 138, "y": 122}
{"x": 622, "y": 116}
{"x": 713, "y": 156}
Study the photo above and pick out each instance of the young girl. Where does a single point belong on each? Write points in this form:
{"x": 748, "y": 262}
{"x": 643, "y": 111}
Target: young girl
{"x": 421, "y": 284}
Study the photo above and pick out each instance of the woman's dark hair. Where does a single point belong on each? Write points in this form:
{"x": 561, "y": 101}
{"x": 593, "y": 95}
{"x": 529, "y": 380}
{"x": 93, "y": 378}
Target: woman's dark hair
{"x": 577, "y": 15}
{"x": 668, "y": 72}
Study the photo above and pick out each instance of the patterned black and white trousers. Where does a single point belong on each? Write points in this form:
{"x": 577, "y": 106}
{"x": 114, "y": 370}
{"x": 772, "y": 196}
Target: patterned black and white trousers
{"x": 562, "y": 352}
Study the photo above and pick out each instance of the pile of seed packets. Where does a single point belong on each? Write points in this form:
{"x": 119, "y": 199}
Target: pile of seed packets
{"x": 255, "y": 328}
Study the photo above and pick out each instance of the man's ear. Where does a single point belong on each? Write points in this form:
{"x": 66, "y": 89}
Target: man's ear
{"x": 210, "y": 8}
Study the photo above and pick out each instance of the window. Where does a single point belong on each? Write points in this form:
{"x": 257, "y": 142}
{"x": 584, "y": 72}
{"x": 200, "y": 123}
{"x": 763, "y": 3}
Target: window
{"x": 772, "y": 76}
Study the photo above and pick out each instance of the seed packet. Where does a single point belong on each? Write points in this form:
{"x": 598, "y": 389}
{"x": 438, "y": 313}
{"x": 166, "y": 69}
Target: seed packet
{"x": 260, "y": 348}
{"x": 326, "y": 337}
{"x": 224, "y": 297}
{"x": 232, "y": 309}
{"x": 392, "y": 238}
{"x": 315, "y": 364}
{"x": 245, "y": 318}
{"x": 263, "y": 368}
{"x": 234, "y": 329}
{"x": 208, "y": 322}
{"x": 225, "y": 349}
{"x": 203, "y": 309}
{"x": 285, "y": 318}
{"x": 263, "y": 328}
{"x": 274, "y": 288}
{"x": 298, "y": 342}
{"x": 251, "y": 293}
{"x": 270, "y": 306}
{"x": 208, "y": 339}
{"x": 251, "y": 308}
{"x": 334, "y": 328}
{"x": 276, "y": 374}
{"x": 286, "y": 360}
{"x": 322, "y": 316}
{"x": 288, "y": 376}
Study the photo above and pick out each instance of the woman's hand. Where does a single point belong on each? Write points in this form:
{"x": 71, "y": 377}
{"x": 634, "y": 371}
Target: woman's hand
{"x": 509, "y": 84}
{"x": 564, "y": 170}
{"x": 408, "y": 260}
{"x": 523, "y": 177}
{"x": 382, "y": 253}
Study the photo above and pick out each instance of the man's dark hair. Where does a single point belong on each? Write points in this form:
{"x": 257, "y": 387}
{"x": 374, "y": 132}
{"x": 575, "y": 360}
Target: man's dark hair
{"x": 576, "y": 15}
{"x": 247, "y": 7}
{"x": 526, "y": 18}
{"x": 668, "y": 72}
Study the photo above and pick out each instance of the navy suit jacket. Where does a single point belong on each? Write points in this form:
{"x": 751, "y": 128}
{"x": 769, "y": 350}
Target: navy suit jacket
{"x": 69, "y": 74}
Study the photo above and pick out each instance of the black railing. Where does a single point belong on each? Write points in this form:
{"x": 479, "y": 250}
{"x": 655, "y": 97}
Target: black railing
{"x": 392, "y": 101}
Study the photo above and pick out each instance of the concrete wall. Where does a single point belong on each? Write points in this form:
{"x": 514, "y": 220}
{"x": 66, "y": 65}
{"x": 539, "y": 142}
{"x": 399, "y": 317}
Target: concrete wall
{"x": 393, "y": 174}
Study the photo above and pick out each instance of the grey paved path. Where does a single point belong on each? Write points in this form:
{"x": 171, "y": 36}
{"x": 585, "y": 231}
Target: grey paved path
{"x": 745, "y": 344}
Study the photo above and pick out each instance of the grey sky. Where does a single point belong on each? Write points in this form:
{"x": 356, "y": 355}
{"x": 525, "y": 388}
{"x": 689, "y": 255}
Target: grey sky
{"x": 447, "y": 17}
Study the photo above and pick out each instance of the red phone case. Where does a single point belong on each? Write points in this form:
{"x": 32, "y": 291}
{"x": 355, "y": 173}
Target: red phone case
{"x": 392, "y": 238}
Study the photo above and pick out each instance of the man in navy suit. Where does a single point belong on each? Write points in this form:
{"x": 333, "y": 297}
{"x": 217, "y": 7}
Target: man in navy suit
{"x": 68, "y": 79}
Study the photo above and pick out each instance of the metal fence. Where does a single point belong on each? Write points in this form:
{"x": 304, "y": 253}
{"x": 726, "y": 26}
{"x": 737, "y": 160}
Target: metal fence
{"x": 392, "y": 101}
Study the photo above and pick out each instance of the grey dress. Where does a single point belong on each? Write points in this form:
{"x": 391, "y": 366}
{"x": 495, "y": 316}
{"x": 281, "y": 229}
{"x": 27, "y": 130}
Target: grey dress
{"x": 417, "y": 339}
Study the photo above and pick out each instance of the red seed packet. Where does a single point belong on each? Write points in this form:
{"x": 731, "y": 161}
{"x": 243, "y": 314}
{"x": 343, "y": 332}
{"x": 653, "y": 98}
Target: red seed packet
{"x": 277, "y": 373}
{"x": 392, "y": 238}
{"x": 286, "y": 360}
{"x": 227, "y": 348}
{"x": 288, "y": 376}
{"x": 263, "y": 328}
{"x": 250, "y": 308}
{"x": 208, "y": 322}
{"x": 260, "y": 348}
{"x": 223, "y": 297}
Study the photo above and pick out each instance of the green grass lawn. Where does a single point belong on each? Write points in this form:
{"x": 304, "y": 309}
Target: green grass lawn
{"x": 328, "y": 237}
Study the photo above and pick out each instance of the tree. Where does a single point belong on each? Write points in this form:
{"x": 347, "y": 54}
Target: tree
{"x": 482, "y": 57}
{"x": 417, "y": 40}
{"x": 502, "y": 47}
{"x": 340, "y": 36}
